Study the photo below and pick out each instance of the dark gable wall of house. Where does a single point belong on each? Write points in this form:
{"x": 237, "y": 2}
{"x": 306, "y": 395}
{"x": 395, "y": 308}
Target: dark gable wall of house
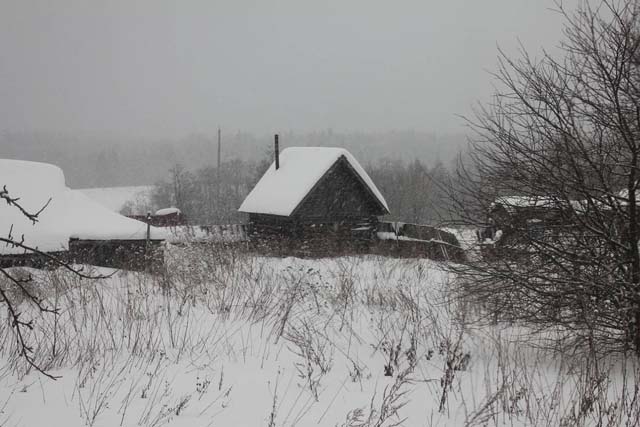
{"x": 338, "y": 196}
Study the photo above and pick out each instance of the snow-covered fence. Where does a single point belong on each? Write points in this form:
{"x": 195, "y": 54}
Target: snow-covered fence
{"x": 226, "y": 233}
{"x": 121, "y": 254}
{"x": 415, "y": 240}
{"x": 34, "y": 260}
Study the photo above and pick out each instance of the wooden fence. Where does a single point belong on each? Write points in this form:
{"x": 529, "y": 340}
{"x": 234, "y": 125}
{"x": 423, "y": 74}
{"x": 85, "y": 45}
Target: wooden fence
{"x": 319, "y": 240}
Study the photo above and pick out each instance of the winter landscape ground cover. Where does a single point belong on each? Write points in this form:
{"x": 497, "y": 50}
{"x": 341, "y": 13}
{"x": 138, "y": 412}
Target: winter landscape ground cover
{"x": 223, "y": 338}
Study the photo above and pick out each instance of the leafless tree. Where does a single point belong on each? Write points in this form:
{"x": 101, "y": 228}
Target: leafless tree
{"x": 563, "y": 135}
{"x": 11, "y": 300}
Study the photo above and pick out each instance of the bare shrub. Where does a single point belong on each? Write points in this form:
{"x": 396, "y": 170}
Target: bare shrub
{"x": 553, "y": 170}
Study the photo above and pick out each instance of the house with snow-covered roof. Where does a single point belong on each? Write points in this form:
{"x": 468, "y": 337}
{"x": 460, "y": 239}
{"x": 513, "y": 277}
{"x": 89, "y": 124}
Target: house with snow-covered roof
{"x": 72, "y": 225}
{"x": 312, "y": 188}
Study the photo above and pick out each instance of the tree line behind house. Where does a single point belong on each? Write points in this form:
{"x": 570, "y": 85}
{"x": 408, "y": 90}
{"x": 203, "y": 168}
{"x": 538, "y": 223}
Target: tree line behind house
{"x": 412, "y": 189}
{"x": 93, "y": 160}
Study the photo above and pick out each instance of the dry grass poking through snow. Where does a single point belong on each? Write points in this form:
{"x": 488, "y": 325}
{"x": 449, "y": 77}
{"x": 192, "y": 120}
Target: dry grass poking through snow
{"x": 224, "y": 339}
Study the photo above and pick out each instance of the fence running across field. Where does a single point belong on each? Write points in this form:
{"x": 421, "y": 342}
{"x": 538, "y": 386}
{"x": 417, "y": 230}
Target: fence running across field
{"x": 386, "y": 238}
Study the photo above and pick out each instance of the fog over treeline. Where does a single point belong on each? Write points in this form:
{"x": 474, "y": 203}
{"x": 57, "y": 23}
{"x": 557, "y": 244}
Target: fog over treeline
{"x": 132, "y": 93}
{"x": 92, "y": 160}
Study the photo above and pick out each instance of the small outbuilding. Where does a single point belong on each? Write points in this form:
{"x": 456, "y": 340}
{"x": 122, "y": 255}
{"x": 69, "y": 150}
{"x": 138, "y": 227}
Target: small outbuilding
{"x": 314, "y": 191}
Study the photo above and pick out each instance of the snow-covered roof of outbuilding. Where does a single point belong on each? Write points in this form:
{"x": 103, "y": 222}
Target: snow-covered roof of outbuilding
{"x": 280, "y": 192}
{"x": 544, "y": 202}
{"x": 70, "y": 214}
{"x": 511, "y": 202}
{"x": 167, "y": 211}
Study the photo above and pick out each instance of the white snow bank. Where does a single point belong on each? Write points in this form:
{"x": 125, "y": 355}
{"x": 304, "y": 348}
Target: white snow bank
{"x": 280, "y": 191}
{"x": 70, "y": 214}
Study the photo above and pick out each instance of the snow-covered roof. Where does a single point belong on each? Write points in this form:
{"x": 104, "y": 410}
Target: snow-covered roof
{"x": 167, "y": 211}
{"x": 525, "y": 201}
{"x": 115, "y": 198}
{"x": 70, "y": 214}
{"x": 513, "y": 202}
{"x": 280, "y": 192}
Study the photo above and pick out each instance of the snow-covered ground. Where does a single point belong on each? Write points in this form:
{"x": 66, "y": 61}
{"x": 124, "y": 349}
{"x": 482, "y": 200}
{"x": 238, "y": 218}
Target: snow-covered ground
{"x": 226, "y": 339}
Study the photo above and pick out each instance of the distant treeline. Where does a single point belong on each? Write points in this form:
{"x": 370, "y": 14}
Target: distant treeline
{"x": 108, "y": 160}
{"x": 413, "y": 190}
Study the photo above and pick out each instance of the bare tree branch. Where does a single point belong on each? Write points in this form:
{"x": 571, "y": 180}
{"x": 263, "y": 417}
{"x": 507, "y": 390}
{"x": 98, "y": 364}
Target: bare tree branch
{"x": 17, "y": 323}
{"x": 552, "y": 177}
{"x": 13, "y": 201}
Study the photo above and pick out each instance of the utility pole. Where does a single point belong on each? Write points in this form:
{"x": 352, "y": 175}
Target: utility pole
{"x": 217, "y": 202}
{"x": 219, "y": 144}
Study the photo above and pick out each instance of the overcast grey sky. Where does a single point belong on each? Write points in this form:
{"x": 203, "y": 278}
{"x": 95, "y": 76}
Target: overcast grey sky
{"x": 169, "y": 68}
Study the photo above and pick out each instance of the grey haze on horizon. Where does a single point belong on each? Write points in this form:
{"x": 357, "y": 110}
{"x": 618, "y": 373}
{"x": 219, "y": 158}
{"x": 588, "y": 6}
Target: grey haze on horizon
{"x": 159, "y": 68}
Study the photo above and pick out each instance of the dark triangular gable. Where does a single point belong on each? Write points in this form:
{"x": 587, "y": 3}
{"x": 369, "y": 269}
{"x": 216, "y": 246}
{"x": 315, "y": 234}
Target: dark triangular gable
{"x": 340, "y": 195}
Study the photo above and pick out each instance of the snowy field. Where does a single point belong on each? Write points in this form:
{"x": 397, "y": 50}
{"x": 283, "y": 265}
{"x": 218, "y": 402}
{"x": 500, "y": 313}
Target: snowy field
{"x": 226, "y": 339}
